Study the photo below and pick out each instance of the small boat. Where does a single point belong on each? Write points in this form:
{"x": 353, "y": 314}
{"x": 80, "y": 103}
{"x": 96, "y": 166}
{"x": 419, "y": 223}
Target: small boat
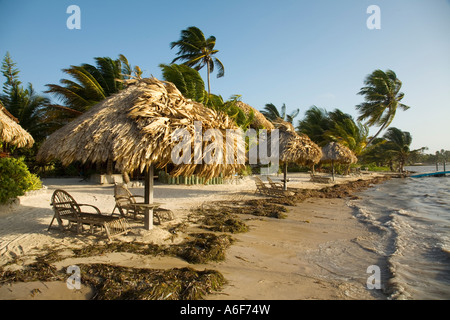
{"x": 431, "y": 174}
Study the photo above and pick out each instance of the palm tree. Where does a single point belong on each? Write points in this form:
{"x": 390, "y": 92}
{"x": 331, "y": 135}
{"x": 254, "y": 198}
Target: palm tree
{"x": 187, "y": 80}
{"x": 315, "y": 125}
{"x": 272, "y": 114}
{"x": 197, "y": 51}
{"x": 383, "y": 96}
{"x": 397, "y": 146}
{"x": 347, "y": 132}
{"x": 91, "y": 84}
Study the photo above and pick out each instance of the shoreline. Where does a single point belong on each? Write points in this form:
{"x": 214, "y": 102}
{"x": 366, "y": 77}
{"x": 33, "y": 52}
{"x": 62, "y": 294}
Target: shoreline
{"x": 277, "y": 259}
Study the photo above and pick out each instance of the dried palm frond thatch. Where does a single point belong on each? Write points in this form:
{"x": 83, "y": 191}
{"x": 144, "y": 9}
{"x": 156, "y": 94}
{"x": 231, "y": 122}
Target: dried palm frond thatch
{"x": 11, "y": 132}
{"x": 260, "y": 121}
{"x": 337, "y": 152}
{"x": 296, "y": 148}
{"x": 134, "y": 128}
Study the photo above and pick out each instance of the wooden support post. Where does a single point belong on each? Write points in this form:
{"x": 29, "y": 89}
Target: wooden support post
{"x": 148, "y": 197}
{"x": 332, "y": 169}
{"x": 285, "y": 176}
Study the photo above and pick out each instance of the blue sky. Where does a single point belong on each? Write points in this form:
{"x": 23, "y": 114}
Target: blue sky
{"x": 300, "y": 53}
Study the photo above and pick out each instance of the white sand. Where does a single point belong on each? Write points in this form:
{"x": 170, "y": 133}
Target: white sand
{"x": 276, "y": 259}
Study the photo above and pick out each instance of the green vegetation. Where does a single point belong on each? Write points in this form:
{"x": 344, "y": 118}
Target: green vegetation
{"x": 15, "y": 179}
{"x": 25, "y": 104}
{"x": 197, "y": 52}
{"x": 323, "y": 127}
{"x": 272, "y": 114}
{"x": 394, "y": 148}
{"x": 187, "y": 80}
{"x": 382, "y": 98}
{"x": 91, "y": 84}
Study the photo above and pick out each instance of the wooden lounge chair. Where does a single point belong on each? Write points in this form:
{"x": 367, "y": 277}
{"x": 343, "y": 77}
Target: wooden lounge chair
{"x": 280, "y": 185}
{"x": 319, "y": 179}
{"x": 276, "y": 185}
{"x": 128, "y": 206}
{"x": 66, "y": 208}
{"x": 264, "y": 189}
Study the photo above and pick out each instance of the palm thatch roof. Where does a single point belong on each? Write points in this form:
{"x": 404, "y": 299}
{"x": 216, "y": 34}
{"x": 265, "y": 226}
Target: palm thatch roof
{"x": 296, "y": 148}
{"x": 337, "y": 152}
{"x": 260, "y": 120}
{"x": 134, "y": 128}
{"x": 11, "y": 132}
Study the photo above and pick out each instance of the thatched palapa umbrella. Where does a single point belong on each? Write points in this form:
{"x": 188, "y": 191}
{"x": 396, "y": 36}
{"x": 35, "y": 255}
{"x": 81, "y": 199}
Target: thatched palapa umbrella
{"x": 336, "y": 152}
{"x": 260, "y": 121}
{"x": 293, "y": 147}
{"x": 134, "y": 129}
{"x": 11, "y": 132}
{"x": 296, "y": 148}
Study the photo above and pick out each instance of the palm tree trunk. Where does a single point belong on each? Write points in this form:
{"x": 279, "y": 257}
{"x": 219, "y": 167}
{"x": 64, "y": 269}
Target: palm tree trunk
{"x": 373, "y": 138}
{"x": 332, "y": 169}
{"x": 209, "y": 85}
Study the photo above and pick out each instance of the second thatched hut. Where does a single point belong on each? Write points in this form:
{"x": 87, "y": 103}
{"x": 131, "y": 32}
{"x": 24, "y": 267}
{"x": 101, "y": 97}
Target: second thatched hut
{"x": 335, "y": 152}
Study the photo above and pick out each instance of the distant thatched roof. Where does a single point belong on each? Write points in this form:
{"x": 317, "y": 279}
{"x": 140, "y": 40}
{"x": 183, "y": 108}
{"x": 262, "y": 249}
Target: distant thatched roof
{"x": 11, "y": 132}
{"x": 260, "y": 120}
{"x": 339, "y": 153}
{"x": 296, "y": 148}
{"x": 134, "y": 128}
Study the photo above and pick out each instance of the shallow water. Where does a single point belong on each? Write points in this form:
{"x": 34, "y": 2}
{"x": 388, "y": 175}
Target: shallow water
{"x": 412, "y": 218}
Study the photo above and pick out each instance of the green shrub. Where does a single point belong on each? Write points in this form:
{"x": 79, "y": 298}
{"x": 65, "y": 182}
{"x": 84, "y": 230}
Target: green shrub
{"x": 374, "y": 167}
{"x": 16, "y": 179}
{"x": 247, "y": 171}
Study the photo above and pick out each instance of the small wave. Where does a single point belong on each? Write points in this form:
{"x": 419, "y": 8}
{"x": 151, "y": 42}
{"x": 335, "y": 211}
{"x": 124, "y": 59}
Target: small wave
{"x": 364, "y": 215}
{"x": 404, "y": 212}
{"x": 444, "y": 246}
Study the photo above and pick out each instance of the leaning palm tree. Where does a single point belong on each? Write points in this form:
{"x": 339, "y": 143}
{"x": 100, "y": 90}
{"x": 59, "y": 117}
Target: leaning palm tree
{"x": 187, "y": 80}
{"x": 383, "y": 96}
{"x": 271, "y": 112}
{"x": 91, "y": 84}
{"x": 344, "y": 130}
{"x": 197, "y": 52}
{"x": 398, "y": 146}
{"x": 315, "y": 125}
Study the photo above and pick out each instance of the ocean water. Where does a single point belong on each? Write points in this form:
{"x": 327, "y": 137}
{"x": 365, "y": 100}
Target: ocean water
{"x": 411, "y": 218}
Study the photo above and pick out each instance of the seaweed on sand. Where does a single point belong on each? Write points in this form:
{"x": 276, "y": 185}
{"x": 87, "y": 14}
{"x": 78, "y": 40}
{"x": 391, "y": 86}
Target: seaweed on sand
{"x": 219, "y": 220}
{"x": 205, "y": 247}
{"x": 37, "y": 271}
{"x": 200, "y": 248}
{"x": 113, "y": 282}
{"x": 255, "y": 207}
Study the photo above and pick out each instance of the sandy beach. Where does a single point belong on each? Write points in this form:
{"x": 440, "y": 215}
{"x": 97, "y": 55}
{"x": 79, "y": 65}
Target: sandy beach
{"x": 319, "y": 251}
